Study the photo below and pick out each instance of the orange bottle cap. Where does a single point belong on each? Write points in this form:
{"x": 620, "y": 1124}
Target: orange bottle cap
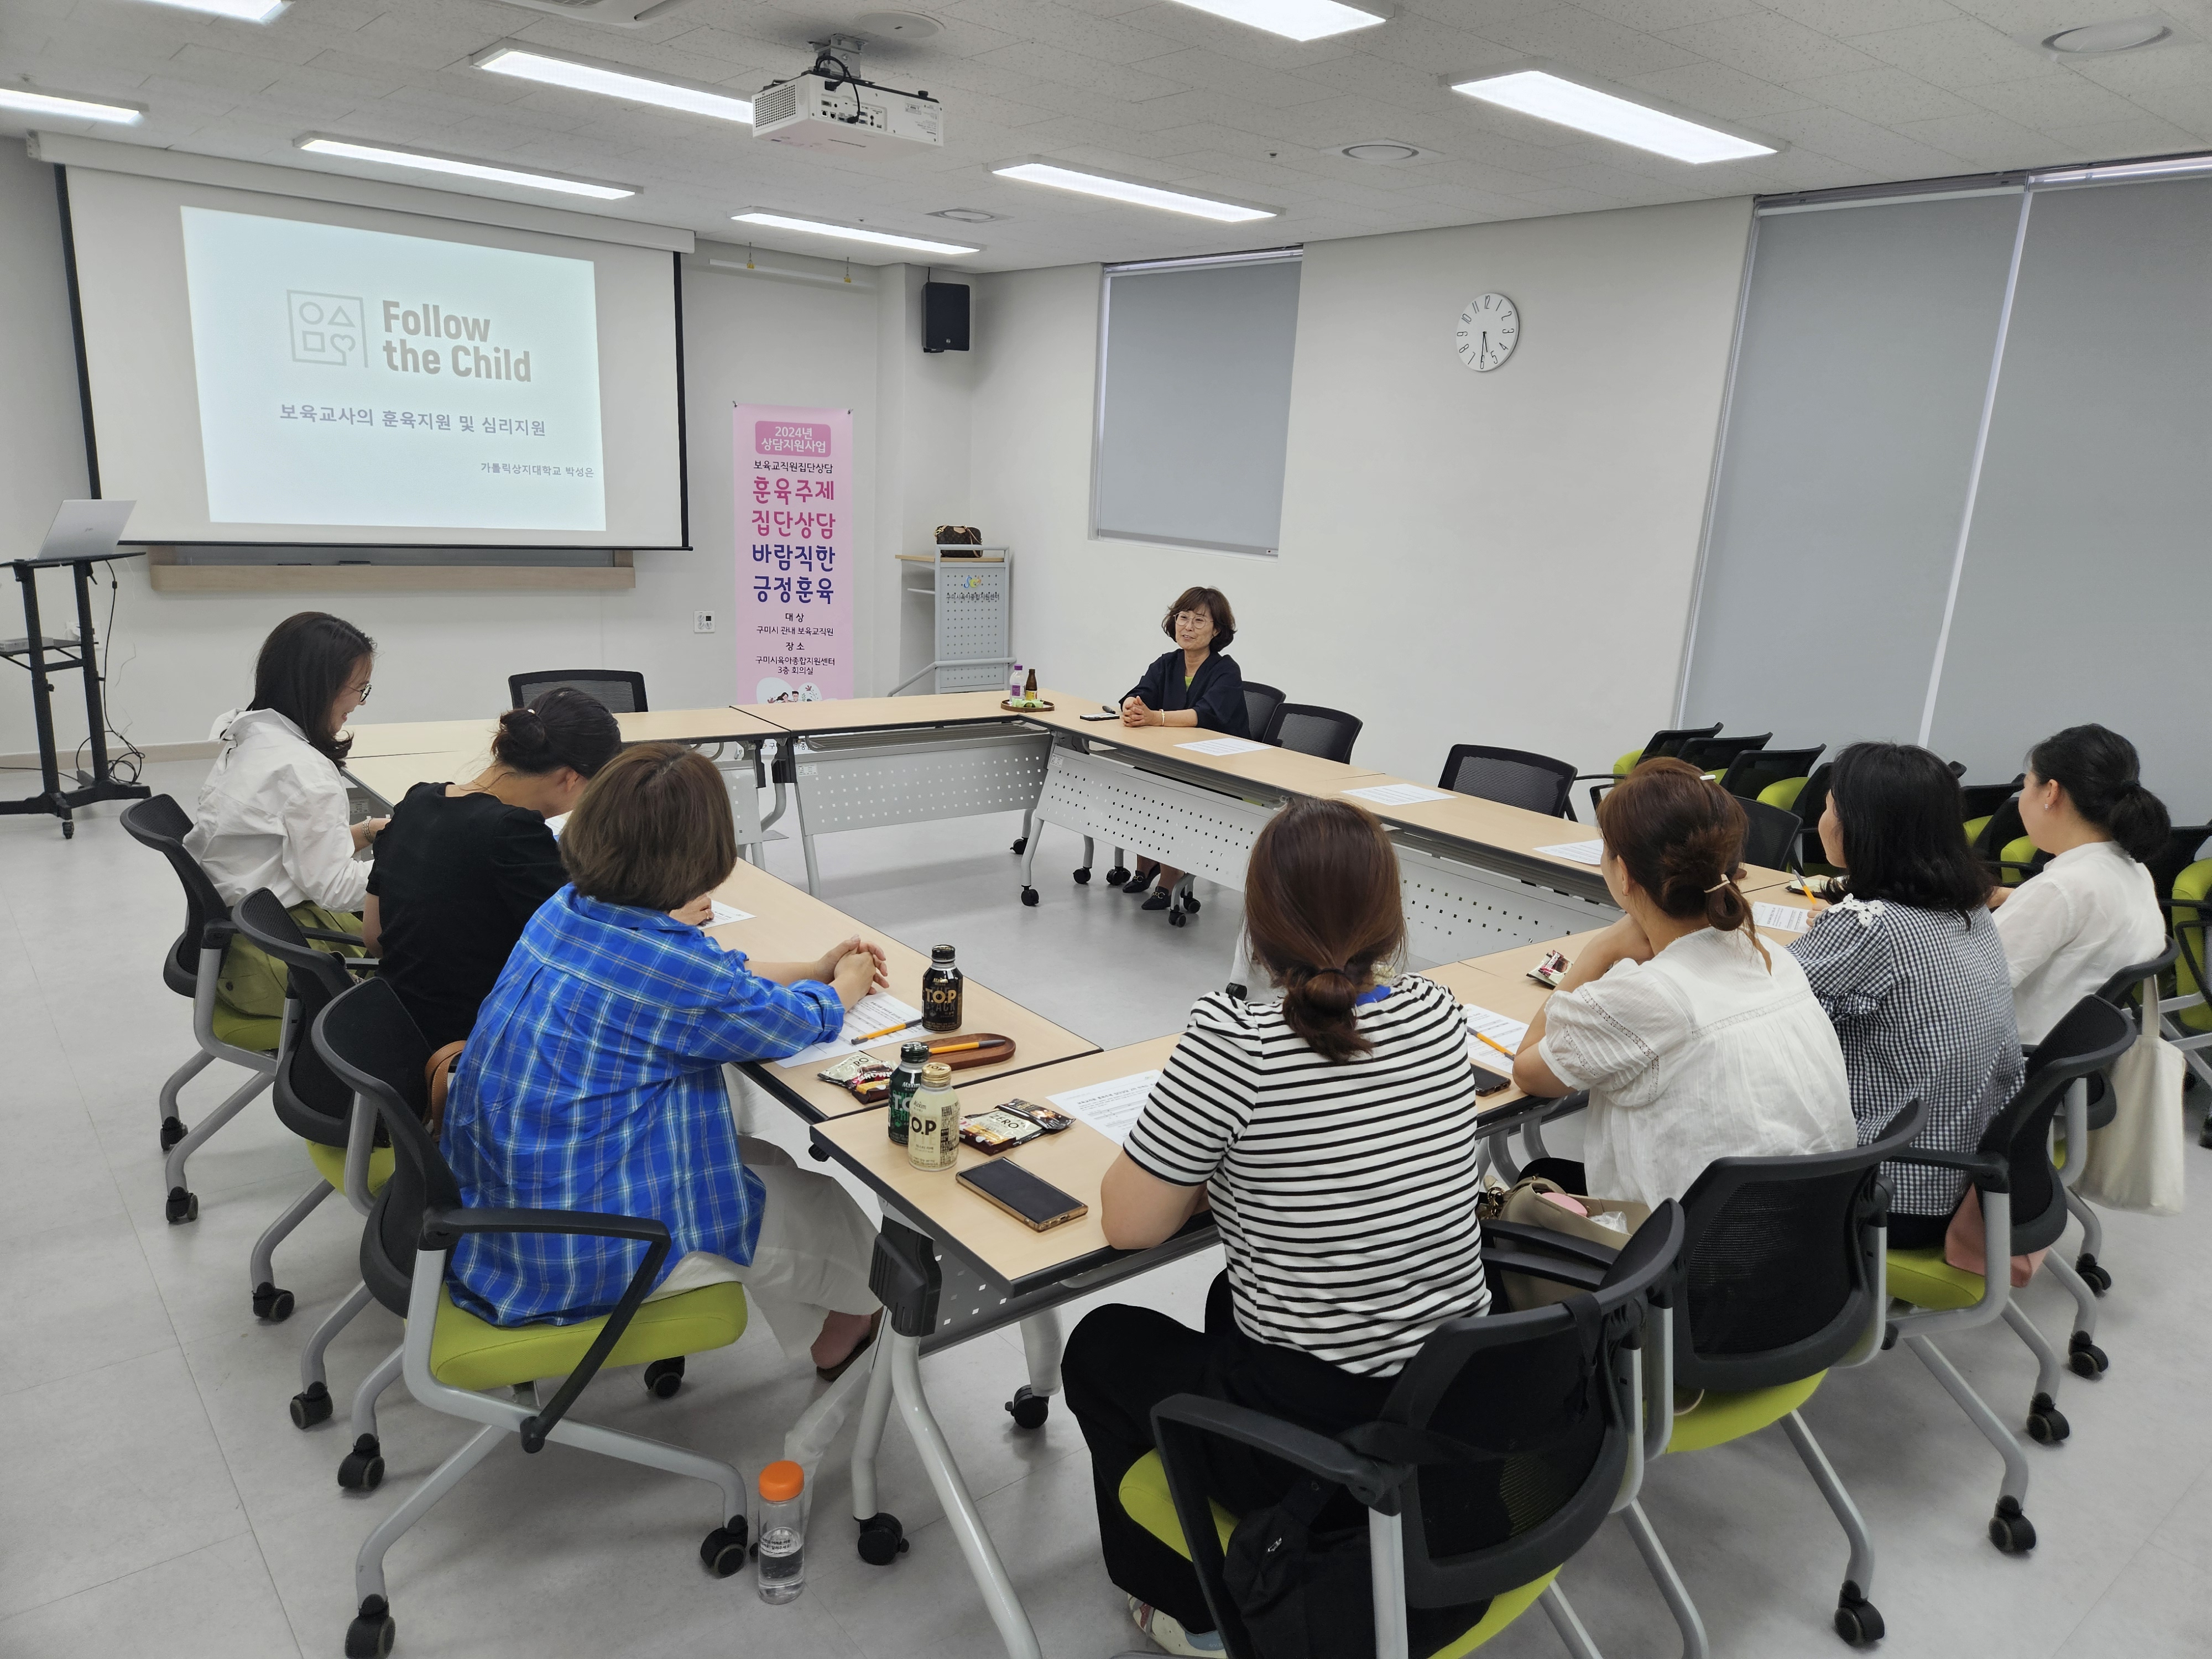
{"x": 781, "y": 1482}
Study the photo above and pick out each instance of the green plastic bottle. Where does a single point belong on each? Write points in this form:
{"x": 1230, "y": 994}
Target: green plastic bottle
{"x": 906, "y": 1077}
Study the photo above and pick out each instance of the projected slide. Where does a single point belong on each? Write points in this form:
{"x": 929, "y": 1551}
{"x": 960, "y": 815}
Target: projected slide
{"x": 352, "y": 377}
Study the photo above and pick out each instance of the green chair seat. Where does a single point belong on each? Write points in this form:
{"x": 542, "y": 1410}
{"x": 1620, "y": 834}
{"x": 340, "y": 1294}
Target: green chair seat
{"x": 2190, "y": 889}
{"x": 2021, "y": 851}
{"x": 256, "y": 1033}
{"x": 330, "y": 1163}
{"x": 1720, "y": 1417}
{"x": 1784, "y": 795}
{"x": 1145, "y": 1500}
{"x": 468, "y": 1353}
{"x": 1626, "y": 763}
{"x": 1926, "y": 1281}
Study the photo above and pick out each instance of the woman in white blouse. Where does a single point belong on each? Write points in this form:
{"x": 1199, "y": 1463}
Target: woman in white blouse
{"x": 273, "y": 811}
{"x": 2093, "y": 909}
{"x": 1694, "y": 1040}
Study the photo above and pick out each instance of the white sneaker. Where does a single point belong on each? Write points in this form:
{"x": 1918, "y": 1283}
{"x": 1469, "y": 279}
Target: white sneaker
{"x": 1169, "y": 1635}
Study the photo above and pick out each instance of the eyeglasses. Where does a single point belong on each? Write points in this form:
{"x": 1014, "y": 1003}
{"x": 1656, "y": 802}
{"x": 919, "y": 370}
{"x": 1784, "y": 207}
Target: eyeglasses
{"x": 1196, "y": 618}
{"x": 360, "y": 692}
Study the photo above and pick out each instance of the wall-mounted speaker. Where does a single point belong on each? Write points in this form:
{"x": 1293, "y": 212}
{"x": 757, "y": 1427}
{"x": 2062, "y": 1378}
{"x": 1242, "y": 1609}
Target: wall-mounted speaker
{"x": 945, "y": 316}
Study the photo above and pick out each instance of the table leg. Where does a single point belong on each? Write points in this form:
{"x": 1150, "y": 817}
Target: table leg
{"x": 868, "y": 1439}
{"x": 1041, "y": 1345}
{"x": 799, "y": 818}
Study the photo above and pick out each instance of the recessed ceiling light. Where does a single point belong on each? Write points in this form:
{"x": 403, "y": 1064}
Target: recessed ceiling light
{"x": 897, "y": 27}
{"x": 1298, "y": 20}
{"x": 561, "y": 68}
{"x": 399, "y": 156}
{"x": 1381, "y": 152}
{"x": 1552, "y": 98}
{"x": 1124, "y": 189}
{"x": 69, "y": 107}
{"x": 2093, "y": 38}
{"x": 849, "y": 232}
{"x": 967, "y": 216}
{"x": 246, "y": 11}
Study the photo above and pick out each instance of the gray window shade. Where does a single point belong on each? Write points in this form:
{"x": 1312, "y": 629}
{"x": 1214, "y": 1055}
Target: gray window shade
{"x": 1194, "y": 404}
{"x": 1857, "y": 392}
{"x": 2086, "y": 587}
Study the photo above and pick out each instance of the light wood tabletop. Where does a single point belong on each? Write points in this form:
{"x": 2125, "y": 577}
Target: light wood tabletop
{"x": 882, "y": 714}
{"x": 1075, "y": 1160}
{"x": 1513, "y": 965}
{"x": 474, "y": 736}
{"x": 422, "y": 738}
{"x": 692, "y": 725}
{"x": 392, "y": 775}
{"x": 786, "y": 924}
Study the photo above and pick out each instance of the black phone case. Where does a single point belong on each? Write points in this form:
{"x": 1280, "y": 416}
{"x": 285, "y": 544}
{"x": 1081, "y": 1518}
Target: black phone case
{"x": 1028, "y": 1197}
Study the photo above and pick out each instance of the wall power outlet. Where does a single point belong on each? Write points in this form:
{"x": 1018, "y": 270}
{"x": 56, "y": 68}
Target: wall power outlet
{"x": 702, "y": 622}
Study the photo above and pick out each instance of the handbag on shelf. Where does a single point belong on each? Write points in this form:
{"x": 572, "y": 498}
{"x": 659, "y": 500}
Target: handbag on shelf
{"x": 1527, "y": 1203}
{"x": 952, "y": 536}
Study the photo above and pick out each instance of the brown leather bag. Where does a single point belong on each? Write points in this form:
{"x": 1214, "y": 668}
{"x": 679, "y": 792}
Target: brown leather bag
{"x": 958, "y": 535}
{"x": 438, "y": 1073}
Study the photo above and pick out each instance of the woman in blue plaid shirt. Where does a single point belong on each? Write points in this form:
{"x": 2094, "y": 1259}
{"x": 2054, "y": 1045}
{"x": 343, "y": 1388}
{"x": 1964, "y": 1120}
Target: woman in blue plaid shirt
{"x": 592, "y": 1081}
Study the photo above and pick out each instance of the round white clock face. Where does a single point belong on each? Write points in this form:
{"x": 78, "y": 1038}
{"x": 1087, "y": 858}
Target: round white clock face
{"x": 1488, "y": 330}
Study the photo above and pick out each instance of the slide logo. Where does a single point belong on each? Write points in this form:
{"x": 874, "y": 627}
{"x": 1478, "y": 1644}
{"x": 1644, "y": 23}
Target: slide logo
{"x": 325, "y": 328}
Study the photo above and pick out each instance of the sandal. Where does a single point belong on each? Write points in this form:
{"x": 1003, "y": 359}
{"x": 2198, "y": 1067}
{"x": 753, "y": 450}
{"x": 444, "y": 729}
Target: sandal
{"x": 831, "y": 1373}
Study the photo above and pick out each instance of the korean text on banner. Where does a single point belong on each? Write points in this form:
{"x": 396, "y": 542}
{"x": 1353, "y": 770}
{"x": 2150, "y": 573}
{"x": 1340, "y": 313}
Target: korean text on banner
{"x": 793, "y": 469}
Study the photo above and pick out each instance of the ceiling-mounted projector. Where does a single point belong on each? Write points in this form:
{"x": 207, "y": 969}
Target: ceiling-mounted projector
{"x": 830, "y": 108}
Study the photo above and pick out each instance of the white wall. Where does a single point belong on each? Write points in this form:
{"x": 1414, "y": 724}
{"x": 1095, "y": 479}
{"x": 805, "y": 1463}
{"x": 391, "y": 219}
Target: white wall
{"x": 1526, "y": 537}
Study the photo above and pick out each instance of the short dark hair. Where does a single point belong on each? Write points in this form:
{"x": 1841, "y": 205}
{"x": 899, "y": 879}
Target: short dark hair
{"x": 562, "y": 726}
{"x": 304, "y": 664}
{"x": 2099, "y": 770}
{"x": 1679, "y": 835}
{"x": 1323, "y": 911}
{"x": 1217, "y": 606}
{"x": 652, "y": 830}
{"x": 1905, "y": 836}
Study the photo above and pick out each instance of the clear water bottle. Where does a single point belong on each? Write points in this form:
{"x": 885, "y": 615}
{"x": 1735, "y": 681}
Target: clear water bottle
{"x": 782, "y": 1558}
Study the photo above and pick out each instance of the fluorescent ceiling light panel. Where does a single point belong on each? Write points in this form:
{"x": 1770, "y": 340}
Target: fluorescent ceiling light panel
{"x": 1552, "y": 98}
{"x": 246, "y": 11}
{"x": 1121, "y": 189}
{"x": 560, "y": 68}
{"x": 1297, "y": 20}
{"x": 850, "y": 233}
{"x": 398, "y": 156}
{"x": 74, "y": 109}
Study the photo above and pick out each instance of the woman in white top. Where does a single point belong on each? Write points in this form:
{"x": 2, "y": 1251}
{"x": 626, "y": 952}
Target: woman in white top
{"x": 1694, "y": 1040}
{"x": 2093, "y": 909}
{"x": 1333, "y": 1134}
{"x": 273, "y": 811}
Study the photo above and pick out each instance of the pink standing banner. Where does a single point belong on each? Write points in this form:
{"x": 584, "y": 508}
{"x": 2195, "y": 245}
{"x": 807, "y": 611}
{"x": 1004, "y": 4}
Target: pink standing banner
{"x": 793, "y": 469}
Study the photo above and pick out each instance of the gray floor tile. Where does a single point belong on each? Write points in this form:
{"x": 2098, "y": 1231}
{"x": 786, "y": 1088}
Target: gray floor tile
{"x": 217, "y": 1602}
{"x": 78, "y": 1296}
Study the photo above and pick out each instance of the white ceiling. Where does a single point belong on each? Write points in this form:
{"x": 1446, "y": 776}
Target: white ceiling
{"x": 1860, "y": 91}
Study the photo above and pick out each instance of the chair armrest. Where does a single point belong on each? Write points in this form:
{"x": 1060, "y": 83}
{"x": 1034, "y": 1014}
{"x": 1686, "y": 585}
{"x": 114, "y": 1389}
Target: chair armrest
{"x": 1990, "y": 1173}
{"x": 1371, "y": 1480}
{"x": 359, "y": 964}
{"x": 443, "y": 1229}
{"x": 1581, "y": 1250}
{"x": 329, "y": 936}
{"x": 1559, "y": 1272}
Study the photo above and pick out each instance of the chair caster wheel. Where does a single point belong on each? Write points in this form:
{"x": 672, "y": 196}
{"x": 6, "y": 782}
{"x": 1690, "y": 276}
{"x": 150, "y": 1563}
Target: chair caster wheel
{"x": 2009, "y": 1530}
{"x": 1190, "y": 907}
{"x": 2046, "y": 1423}
{"x": 182, "y": 1207}
{"x": 271, "y": 1304}
{"x": 2092, "y": 1275}
{"x": 1082, "y": 877}
{"x": 1888, "y": 1337}
{"x": 362, "y": 1470}
{"x": 172, "y": 1130}
{"x": 1030, "y": 897}
{"x": 371, "y": 1635}
{"x": 723, "y": 1550}
{"x": 1029, "y": 1408}
{"x": 1117, "y": 876}
{"x": 883, "y": 1540}
{"x": 2086, "y": 1359}
{"x": 663, "y": 1377}
{"x": 1858, "y": 1621}
{"x": 1020, "y": 842}
{"x": 68, "y": 828}
{"x": 1177, "y": 919}
{"x": 311, "y": 1407}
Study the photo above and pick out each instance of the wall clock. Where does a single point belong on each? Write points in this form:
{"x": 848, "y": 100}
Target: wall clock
{"x": 1488, "y": 330}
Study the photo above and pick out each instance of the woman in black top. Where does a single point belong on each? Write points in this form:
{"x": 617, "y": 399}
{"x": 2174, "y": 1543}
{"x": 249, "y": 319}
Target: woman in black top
{"x": 463, "y": 866}
{"x": 1192, "y": 685}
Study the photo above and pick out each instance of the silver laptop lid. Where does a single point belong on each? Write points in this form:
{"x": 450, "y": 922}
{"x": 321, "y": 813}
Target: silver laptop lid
{"x": 85, "y": 530}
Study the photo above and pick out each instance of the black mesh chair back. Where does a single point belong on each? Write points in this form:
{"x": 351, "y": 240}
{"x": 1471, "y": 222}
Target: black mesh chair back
{"x": 2123, "y": 991}
{"x": 1978, "y": 800}
{"x": 1512, "y": 775}
{"x": 1769, "y": 835}
{"x": 2003, "y": 828}
{"x": 1670, "y": 742}
{"x": 2183, "y": 844}
{"x": 1718, "y": 754}
{"x": 1812, "y": 801}
{"x": 1543, "y": 1396}
{"x": 310, "y": 1101}
{"x": 1261, "y": 702}
{"x": 2092, "y": 1035}
{"x": 1312, "y": 730}
{"x": 160, "y": 823}
{"x": 623, "y": 693}
{"x": 1778, "y": 1259}
{"x": 1762, "y": 768}
{"x": 377, "y": 1050}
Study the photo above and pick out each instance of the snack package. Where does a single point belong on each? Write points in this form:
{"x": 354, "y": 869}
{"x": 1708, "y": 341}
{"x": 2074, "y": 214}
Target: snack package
{"x": 867, "y": 1080}
{"x": 998, "y": 1131}
{"x": 1552, "y": 970}
{"x": 1050, "y": 1119}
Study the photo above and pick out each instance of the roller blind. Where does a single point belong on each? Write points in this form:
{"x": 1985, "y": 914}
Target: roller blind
{"x": 1195, "y": 403}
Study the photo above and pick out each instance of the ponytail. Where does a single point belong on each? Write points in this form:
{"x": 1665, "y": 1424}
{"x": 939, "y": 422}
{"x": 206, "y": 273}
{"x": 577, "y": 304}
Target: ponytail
{"x": 1679, "y": 835}
{"x": 1323, "y": 911}
{"x": 560, "y": 728}
{"x": 2099, "y": 770}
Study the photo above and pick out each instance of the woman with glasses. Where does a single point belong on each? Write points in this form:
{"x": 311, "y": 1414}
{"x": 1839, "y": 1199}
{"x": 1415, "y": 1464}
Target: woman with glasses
{"x": 273, "y": 811}
{"x": 1192, "y": 685}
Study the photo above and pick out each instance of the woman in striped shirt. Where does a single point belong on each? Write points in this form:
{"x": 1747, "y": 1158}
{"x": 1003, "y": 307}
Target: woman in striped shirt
{"x": 1333, "y": 1133}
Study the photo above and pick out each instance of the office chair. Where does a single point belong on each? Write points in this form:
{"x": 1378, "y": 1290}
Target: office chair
{"x": 1512, "y": 775}
{"x": 2023, "y": 1210}
{"x": 1312, "y": 730}
{"x": 1542, "y": 1413}
{"x": 1717, "y": 755}
{"x": 1769, "y": 835}
{"x": 1978, "y": 801}
{"x": 1777, "y": 776}
{"x": 1261, "y": 702}
{"x": 1812, "y": 801}
{"x": 1668, "y": 742}
{"x": 2003, "y": 845}
{"x": 622, "y": 692}
{"x": 2183, "y": 884}
{"x": 2094, "y": 1108}
{"x": 193, "y": 967}
{"x": 461, "y": 1365}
